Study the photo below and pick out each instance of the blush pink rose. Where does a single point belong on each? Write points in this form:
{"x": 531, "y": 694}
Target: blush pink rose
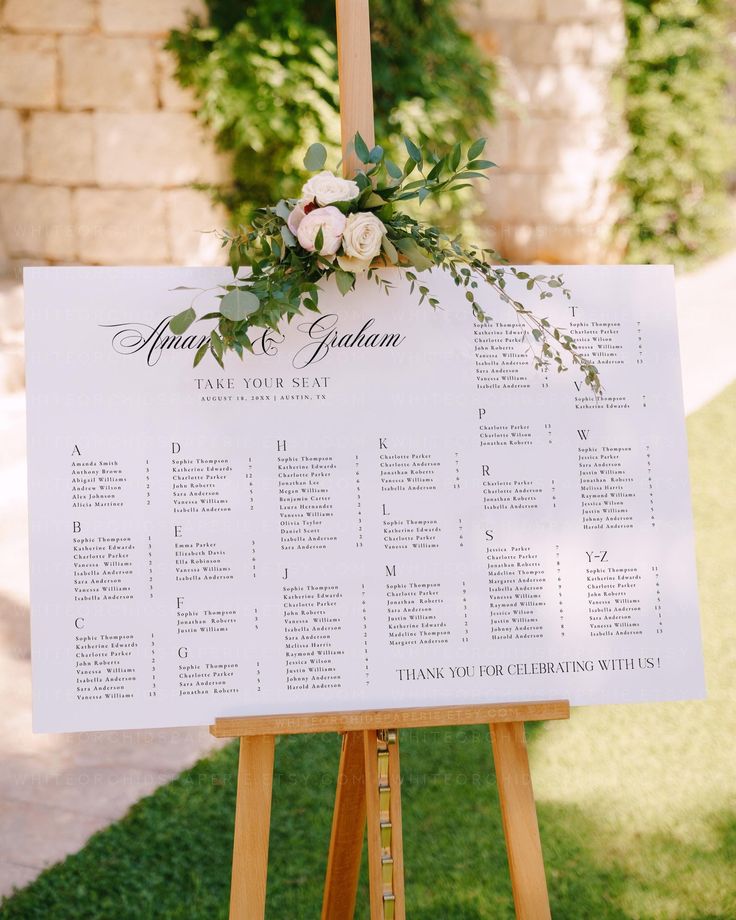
{"x": 332, "y": 223}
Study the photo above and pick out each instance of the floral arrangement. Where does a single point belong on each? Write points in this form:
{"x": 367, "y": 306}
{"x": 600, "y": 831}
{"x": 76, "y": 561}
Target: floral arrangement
{"x": 349, "y": 227}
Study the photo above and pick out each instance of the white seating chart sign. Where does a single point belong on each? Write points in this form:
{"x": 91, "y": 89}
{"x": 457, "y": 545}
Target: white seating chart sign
{"x": 385, "y": 506}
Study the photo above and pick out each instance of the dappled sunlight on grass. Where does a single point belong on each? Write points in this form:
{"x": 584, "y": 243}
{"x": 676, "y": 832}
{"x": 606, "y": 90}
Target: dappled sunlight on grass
{"x": 652, "y": 767}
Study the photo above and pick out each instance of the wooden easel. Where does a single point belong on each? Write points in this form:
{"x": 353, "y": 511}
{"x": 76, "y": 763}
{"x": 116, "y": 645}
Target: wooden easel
{"x": 368, "y": 784}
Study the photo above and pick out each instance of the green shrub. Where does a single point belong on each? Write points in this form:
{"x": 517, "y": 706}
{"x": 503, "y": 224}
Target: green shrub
{"x": 677, "y": 108}
{"x": 265, "y": 76}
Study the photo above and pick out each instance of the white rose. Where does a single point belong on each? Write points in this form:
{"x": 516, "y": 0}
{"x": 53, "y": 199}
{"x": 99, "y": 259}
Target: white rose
{"x": 295, "y": 217}
{"x": 361, "y": 240}
{"x": 326, "y": 188}
{"x": 330, "y": 221}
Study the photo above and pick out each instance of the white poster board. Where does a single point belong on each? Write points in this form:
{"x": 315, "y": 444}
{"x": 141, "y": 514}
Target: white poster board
{"x": 389, "y": 508}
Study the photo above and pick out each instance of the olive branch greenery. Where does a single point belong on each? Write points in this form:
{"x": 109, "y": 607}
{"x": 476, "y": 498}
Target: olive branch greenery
{"x": 284, "y": 276}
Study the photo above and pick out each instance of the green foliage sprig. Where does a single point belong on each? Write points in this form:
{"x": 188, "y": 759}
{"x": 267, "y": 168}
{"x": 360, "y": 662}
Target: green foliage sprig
{"x": 678, "y": 110}
{"x": 342, "y": 228}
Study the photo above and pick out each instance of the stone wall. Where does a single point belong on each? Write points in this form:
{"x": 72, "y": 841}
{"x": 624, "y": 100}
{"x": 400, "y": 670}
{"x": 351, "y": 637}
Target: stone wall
{"x": 559, "y": 139}
{"x": 99, "y": 146}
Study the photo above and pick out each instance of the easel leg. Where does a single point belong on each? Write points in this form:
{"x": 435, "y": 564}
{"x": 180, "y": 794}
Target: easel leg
{"x": 348, "y": 824}
{"x": 252, "y": 827}
{"x": 519, "y": 816}
{"x": 383, "y": 806}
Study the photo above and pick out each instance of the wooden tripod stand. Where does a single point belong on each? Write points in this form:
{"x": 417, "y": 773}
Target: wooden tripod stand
{"x": 368, "y": 786}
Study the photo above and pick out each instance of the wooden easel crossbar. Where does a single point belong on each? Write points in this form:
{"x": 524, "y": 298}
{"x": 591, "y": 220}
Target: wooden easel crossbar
{"x": 369, "y": 778}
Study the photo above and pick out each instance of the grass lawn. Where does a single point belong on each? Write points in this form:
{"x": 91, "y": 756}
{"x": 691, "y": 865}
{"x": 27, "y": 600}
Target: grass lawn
{"x": 637, "y": 804}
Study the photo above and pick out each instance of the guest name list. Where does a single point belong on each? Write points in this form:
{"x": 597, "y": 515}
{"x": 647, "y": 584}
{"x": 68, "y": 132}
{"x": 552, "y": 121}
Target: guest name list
{"x": 385, "y": 505}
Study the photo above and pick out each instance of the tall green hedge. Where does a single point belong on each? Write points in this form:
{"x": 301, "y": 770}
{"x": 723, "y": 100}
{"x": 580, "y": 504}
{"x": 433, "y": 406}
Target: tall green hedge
{"x": 677, "y": 107}
{"x": 265, "y": 75}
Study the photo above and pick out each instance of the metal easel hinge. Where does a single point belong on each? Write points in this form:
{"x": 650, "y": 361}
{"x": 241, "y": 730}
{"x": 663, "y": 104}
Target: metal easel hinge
{"x": 385, "y": 738}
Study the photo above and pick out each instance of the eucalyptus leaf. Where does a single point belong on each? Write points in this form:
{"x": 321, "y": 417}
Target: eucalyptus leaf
{"x": 288, "y": 237}
{"x": 283, "y": 210}
{"x": 182, "y": 321}
{"x": 376, "y": 154}
{"x": 315, "y": 158}
{"x": 361, "y": 149}
{"x": 393, "y": 170}
{"x": 237, "y": 304}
